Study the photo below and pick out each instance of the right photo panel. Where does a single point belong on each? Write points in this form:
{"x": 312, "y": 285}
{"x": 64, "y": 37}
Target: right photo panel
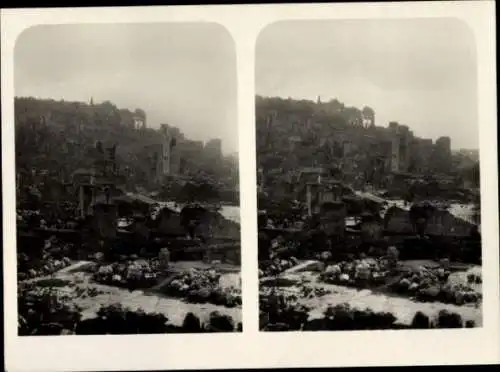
{"x": 368, "y": 175}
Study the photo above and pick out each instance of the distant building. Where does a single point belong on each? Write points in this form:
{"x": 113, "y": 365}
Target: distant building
{"x": 214, "y": 144}
{"x": 318, "y": 193}
{"x": 421, "y": 151}
{"x": 197, "y": 145}
{"x": 385, "y": 152}
{"x": 214, "y": 148}
{"x": 393, "y": 126}
{"x": 167, "y": 156}
{"x": 170, "y": 159}
{"x": 473, "y": 155}
{"x": 164, "y": 129}
{"x": 175, "y": 132}
{"x": 401, "y": 147}
{"x": 139, "y": 119}
{"x": 395, "y": 154}
{"x": 368, "y": 117}
{"x": 139, "y": 122}
{"x": 444, "y": 144}
{"x": 153, "y": 154}
{"x": 405, "y": 137}
{"x": 442, "y": 157}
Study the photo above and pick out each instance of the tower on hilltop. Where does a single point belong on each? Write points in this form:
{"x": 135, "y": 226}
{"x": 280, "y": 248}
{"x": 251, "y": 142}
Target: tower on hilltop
{"x": 169, "y": 159}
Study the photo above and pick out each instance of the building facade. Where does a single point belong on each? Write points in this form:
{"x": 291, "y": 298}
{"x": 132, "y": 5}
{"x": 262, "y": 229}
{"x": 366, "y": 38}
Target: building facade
{"x": 213, "y": 148}
{"x": 401, "y": 138}
{"x": 395, "y": 154}
{"x": 168, "y": 159}
{"x": 442, "y": 157}
{"x": 421, "y": 151}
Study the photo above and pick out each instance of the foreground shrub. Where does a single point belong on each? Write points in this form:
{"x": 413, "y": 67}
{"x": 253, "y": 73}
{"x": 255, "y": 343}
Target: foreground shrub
{"x": 343, "y": 317}
{"x": 363, "y": 318}
{"x": 191, "y": 324}
{"x": 446, "y": 319}
{"x": 470, "y": 324}
{"x": 115, "y": 319}
{"x": 278, "y": 308}
{"x": 340, "y": 317}
{"x": 220, "y": 323}
{"x": 41, "y": 311}
{"x": 420, "y": 321}
{"x": 52, "y": 282}
{"x": 384, "y": 320}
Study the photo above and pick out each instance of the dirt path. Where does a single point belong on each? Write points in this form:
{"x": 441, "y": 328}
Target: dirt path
{"x": 187, "y": 265}
{"x": 174, "y": 309}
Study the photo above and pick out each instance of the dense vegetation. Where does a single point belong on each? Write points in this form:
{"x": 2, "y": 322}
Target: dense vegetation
{"x": 279, "y": 313}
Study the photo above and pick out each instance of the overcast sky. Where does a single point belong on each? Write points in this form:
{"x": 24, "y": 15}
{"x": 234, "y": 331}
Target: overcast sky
{"x": 421, "y": 73}
{"x": 182, "y": 74}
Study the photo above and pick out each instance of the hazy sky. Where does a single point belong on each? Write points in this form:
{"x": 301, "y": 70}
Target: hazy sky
{"x": 421, "y": 73}
{"x": 183, "y": 74}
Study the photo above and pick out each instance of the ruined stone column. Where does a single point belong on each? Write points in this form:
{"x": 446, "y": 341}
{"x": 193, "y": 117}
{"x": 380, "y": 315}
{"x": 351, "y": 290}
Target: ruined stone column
{"x": 82, "y": 201}
{"x": 164, "y": 258}
{"x": 207, "y": 254}
{"x": 309, "y": 200}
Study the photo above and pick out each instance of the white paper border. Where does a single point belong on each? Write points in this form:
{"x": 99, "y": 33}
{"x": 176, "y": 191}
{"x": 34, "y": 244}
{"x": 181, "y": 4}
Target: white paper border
{"x": 252, "y": 349}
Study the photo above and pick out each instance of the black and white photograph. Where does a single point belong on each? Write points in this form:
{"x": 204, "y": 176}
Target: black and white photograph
{"x": 127, "y": 191}
{"x": 195, "y": 187}
{"x": 368, "y": 170}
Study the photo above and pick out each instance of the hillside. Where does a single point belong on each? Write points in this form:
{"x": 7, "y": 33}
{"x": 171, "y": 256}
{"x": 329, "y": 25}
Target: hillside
{"x": 59, "y": 137}
{"x": 293, "y": 134}
{"x": 317, "y": 130}
{"x": 314, "y": 130}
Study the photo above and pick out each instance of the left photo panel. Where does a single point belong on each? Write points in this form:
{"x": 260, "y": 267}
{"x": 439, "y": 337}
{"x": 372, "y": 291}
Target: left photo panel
{"x": 127, "y": 179}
